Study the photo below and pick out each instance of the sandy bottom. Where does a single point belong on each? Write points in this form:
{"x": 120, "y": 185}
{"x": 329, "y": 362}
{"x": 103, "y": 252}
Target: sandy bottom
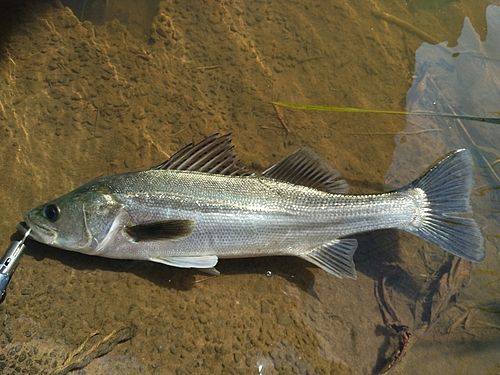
{"x": 107, "y": 87}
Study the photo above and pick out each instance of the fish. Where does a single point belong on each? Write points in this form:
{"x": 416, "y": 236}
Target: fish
{"x": 203, "y": 204}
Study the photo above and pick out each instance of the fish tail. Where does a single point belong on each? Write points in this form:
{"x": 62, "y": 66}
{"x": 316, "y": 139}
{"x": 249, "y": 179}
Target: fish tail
{"x": 444, "y": 193}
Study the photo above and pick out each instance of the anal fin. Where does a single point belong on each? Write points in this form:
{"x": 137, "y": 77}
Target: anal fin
{"x": 202, "y": 262}
{"x": 335, "y": 257}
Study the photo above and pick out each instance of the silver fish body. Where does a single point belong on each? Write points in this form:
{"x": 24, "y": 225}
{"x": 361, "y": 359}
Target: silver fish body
{"x": 193, "y": 218}
{"x": 245, "y": 216}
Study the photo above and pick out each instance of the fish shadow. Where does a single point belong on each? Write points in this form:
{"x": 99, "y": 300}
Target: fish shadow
{"x": 178, "y": 278}
{"x": 163, "y": 276}
{"x": 294, "y": 270}
{"x": 378, "y": 256}
{"x": 375, "y": 257}
{"x": 15, "y": 14}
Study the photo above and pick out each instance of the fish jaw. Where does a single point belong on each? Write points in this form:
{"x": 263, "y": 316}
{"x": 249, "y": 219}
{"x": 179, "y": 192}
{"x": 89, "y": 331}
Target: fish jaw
{"x": 40, "y": 230}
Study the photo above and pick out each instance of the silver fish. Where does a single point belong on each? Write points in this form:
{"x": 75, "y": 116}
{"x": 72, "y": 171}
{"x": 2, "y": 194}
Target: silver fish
{"x": 202, "y": 205}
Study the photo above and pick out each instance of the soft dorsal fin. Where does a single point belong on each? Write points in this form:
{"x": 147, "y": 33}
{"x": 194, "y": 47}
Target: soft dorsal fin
{"x": 215, "y": 154}
{"x": 306, "y": 168}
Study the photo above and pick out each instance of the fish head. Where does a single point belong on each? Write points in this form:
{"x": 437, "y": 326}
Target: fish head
{"x": 77, "y": 221}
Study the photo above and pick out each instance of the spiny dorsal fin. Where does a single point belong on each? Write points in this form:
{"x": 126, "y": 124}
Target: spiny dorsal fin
{"x": 306, "y": 168}
{"x": 215, "y": 154}
{"x": 160, "y": 230}
{"x": 335, "y": 257}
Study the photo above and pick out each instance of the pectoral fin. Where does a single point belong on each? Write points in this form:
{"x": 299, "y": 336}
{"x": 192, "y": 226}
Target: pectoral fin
{"x": 335, "y": 257}
{"x": 160, "y": 230}
{"x": 202, "y": 262}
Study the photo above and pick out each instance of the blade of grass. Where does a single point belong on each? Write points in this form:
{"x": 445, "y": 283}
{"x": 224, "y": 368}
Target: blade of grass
{"x": 329, "y": 108}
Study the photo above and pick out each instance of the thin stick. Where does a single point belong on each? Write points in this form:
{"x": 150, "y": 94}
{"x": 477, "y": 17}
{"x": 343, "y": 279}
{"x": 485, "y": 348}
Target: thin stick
{"x": 395, "y": 133}
{"x": 78, "y": 359}
{"x": 405, "y": 26}
{"x": 280, "y": 118}
{"x": 206, "y": 279}
{"x": 393, "y": 324}
{"x": 209, "y": 67}
{"x": 468, "y": 319}
{"x": 386, "y": 303}
{"x": 460, "y": 320}
{"x": 486, "y": 325}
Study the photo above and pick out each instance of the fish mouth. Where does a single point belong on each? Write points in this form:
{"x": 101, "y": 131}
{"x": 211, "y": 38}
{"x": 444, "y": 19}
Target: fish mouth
{"x": 40, "y": 232}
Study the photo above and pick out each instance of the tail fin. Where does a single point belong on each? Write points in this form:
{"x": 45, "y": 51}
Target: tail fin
{"x": 446, "y": 188}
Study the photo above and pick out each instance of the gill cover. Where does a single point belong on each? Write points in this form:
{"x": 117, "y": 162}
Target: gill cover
{"x": 78, "y": 221}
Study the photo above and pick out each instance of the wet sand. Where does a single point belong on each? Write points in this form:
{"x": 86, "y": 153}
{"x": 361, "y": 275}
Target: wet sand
{"x": 81, "y": 99}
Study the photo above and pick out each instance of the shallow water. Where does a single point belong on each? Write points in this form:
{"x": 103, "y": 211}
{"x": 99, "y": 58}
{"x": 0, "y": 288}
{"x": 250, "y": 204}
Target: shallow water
{"x": 103, "y": 87}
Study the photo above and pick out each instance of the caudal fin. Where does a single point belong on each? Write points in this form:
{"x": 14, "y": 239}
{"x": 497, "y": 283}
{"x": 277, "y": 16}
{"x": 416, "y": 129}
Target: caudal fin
{"x": 446, "y": 188}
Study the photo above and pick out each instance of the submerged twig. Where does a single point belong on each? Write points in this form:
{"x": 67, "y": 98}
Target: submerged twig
{"x": 208, "y": 67}
{"x": 405, "y": 26}
{"x": 417, "y": 132}
{"x": 79, "y": 358}
{"x": 468, "y": 319}
{"x": 280, "y": 118}
{"x": 207, "y": 278}
{"x": 486, "y": 325}
{"x": 393, "y": 324}
{"x": 459, "y": 321}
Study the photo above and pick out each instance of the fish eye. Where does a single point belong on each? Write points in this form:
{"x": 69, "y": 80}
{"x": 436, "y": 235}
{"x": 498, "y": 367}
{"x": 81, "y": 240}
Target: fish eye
{"x": 51, "y": 212}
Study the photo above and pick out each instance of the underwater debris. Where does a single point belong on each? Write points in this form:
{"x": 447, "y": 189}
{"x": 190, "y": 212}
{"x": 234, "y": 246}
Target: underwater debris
{"x": 80, "y": 357}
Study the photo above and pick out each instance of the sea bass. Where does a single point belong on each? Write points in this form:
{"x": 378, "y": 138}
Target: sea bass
{"x": 202, "y": 204}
